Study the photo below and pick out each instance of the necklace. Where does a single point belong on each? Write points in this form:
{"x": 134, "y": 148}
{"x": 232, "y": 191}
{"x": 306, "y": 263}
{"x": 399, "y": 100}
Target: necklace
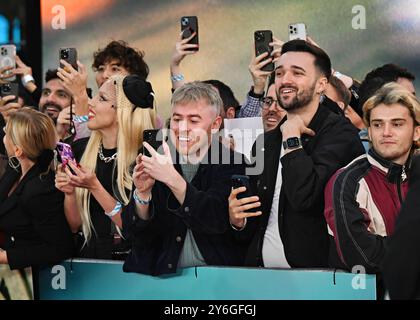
{"x": 106, "y": 159}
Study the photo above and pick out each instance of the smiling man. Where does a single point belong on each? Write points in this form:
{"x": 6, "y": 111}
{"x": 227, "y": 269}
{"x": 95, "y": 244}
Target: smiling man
{"x": 54, "y": 97}
{"x": 178, "y": 216}
{"x": 300, "y": 155}
{"x": 364, "y": 198}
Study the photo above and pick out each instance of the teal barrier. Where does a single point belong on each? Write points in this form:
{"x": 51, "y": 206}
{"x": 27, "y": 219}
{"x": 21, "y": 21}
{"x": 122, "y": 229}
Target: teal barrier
{"x": 89, "y": 279}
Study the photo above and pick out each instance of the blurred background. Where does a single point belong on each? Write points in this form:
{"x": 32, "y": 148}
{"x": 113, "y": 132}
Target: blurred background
{"x": 226, "y": 30}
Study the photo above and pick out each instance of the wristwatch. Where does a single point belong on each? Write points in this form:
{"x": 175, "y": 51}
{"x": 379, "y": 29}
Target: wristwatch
{"x": 292, "y": 143}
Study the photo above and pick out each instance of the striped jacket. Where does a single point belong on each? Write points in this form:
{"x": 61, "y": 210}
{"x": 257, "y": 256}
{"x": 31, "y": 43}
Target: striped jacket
{"x": 362, "y": 202}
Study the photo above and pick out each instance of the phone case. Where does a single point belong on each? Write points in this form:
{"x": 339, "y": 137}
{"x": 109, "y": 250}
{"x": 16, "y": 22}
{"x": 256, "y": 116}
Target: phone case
{"x": 297, "y": 31}
{"x": 262, "y": 39}
{"x": 65, "y": 152}
{"x": 241, "y": 181}
{"x": 154, "y": 137}
{"x": 8, "y": 58}
{"x": 70, "y": 56}
{"x": 189, "y": 25}
{"x": 10, "y": 89}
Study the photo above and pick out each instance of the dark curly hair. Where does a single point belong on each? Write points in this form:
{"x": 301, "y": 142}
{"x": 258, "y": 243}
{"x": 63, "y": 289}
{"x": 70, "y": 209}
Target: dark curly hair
{"x": 129, "y": 58}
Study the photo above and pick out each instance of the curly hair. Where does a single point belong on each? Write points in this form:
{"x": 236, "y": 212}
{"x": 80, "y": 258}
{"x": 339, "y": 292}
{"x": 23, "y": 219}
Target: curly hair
{"x": 129, "y": 58}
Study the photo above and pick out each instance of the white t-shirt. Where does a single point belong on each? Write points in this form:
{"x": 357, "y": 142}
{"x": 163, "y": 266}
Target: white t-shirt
{"x": 273, "y": 249}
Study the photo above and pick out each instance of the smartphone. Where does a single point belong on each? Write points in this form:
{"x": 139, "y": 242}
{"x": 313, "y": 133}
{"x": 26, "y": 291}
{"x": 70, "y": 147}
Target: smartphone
{"x": 241, "y": 181}
{"x": 189, "y": 25}
{"x": 154, "y": 137}
{"x": 297, "y": 31}
{"x": 262, "y": 39}
{"x": 70, "y": 56}
{"x": 8, "y": 59}
{"x": 9, "y": 89}
{"x": 65, "y": 152}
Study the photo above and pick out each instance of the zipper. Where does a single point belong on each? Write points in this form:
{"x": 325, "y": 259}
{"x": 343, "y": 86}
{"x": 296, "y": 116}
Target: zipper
{"x": 400, "y": 180}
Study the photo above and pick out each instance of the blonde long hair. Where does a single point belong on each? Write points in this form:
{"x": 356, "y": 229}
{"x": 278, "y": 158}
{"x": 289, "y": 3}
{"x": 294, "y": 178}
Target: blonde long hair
{"x": 131, "y": 123}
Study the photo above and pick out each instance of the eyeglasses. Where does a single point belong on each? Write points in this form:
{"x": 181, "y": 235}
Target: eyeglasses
{"x": 268, "y": 101}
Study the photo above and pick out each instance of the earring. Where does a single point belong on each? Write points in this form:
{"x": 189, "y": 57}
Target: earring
{"x": 14, "y": 162}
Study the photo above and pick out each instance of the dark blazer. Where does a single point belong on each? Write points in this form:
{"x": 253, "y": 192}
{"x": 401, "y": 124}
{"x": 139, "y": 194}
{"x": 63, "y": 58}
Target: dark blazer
{"x": 305, "y": 173}
{"x": 401, "y": 268}
{"x": 157, "y": 243}
{"x": 32, "y": 219}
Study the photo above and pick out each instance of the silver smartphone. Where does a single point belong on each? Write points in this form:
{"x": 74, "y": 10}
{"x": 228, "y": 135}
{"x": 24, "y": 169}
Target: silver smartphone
{"x": 8, "y": 59}
{"x": 297, "y": 31}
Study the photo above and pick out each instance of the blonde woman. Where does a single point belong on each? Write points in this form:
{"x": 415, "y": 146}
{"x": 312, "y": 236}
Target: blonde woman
{"x": 99, "y": 186}
{"x": 31, "y": 208}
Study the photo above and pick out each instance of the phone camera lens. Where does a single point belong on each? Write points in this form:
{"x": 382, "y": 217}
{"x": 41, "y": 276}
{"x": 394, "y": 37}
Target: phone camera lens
{"x": 64, "y": 54}
{"x": 295, "y": 29}
{"x": 184, "y": 21}
{"x": 6, "y": 88}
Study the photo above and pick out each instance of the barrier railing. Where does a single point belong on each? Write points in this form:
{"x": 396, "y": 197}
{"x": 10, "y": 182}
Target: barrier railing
{"x": 94, "y": 279}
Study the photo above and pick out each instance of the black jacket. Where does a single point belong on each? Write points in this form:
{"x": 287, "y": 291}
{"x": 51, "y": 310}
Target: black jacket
{"x": 32, "y": 219}
{"x": 305, "y": 173}
{"x": 401, "y": 268}
{"x": 157, "y": 243}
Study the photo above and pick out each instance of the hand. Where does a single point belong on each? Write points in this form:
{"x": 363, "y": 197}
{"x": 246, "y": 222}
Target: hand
{"x": 277, "y": 46}
{"x": 62, "y": 181}
{"x": 259, "y": 77}
{"x": 22, "y": 69}
{"x": 5, "y": 73}
{"x": 295, "y": 126}
{"x": 311, "y": 41}
{"x": 158, "y": 166}
{"x": 181, "y": 51}
{"x": 3, "y": 257}
{"x": 74, "y": 81}
{"x": 83, "y": 178}
{"x": 142, "y": 181}
{"x": 237, "y": 207}
{"x": 63, "y": 122}
{"x": 7, "y": 108}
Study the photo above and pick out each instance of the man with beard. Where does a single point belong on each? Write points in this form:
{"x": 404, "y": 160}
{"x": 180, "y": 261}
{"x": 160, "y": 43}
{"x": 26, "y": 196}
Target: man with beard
{"x": 54, "y": 97}
{"x": 286, "y": 227}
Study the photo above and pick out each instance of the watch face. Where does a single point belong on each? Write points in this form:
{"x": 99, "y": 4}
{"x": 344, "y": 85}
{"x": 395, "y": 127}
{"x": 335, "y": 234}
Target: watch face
{"x": 293, "y": 142}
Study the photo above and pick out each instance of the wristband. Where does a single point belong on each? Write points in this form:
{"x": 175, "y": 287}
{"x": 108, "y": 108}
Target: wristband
{"x": 114, "y": 211}
{"x": 141, "y": 201}
{"x": 26, "y": 79}
{"x": 80, "y": 119}
{"x": 177, "y": 77}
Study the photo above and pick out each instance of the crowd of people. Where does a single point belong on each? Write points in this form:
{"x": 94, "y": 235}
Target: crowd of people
{"x": 338, "y": 160}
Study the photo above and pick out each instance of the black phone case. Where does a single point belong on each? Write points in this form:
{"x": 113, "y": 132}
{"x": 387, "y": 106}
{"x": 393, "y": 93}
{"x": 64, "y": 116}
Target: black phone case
{"x": 189, "y": 25}
{"x": 262, "y": 39}
{"x": 10, "y": 89}
{"x": 71, "y": 57}
{"x": 241, "y": 181}
{"x": 150, "y": 136}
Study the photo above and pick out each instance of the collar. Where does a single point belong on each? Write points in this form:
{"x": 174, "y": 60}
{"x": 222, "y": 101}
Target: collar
{"x": 393, "y": 171}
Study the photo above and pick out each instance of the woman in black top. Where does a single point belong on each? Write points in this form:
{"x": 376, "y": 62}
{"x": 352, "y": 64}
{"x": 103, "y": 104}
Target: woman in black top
{"x": 97, "y": 188}
{"x": 31, "y": 208}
